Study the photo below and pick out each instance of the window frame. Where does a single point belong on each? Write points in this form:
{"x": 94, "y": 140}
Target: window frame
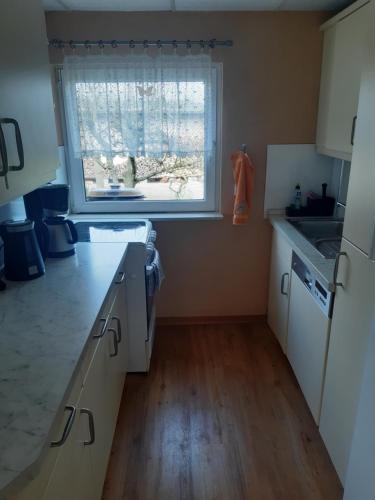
{"x": 212, "y": 200}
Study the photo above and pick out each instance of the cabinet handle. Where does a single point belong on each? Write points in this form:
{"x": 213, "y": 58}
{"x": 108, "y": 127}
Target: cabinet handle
{"x": 104, "y": 323}
{"x": 90, "y": 414}
{"x": 119, "y": 332}
{"x": 17, "y": 132}
{"x": 336, "y": 268}
{"x": 68, "y": 427}
{"x": 282, "y": 283}
{"x": 352, "y": 134}
{"x": 115, "y": 342}
{"x": 371, "y": 253}
{"x": 121, "y": 278}
{"x": 4, "y": 159}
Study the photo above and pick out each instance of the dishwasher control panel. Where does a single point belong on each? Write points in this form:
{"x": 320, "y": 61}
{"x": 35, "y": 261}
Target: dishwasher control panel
{"x": 323, "y": 297}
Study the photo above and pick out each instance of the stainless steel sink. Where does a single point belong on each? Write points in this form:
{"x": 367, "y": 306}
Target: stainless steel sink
{"x": 324, "y": 234}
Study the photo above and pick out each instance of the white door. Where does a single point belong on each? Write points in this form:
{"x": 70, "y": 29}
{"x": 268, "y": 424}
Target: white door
{"x": 359, "y": 226}
{"x": 308, "y": 333}
{"x": 340, "y": 82}
{"x": 360, "y": 479}
{"x": 351, "y": 324}
{"x": 26, "y": 96}
{"x": 278, "y": 295}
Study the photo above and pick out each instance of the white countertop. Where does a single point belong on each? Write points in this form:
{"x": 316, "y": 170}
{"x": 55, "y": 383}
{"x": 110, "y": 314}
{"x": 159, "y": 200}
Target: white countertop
{"x": 323, "y": 267}
{"x": 44, "y": 327}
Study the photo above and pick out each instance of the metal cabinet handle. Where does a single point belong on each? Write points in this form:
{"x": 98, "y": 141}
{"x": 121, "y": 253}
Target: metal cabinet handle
{"x": 336, "y": 268}
{"x": 282, "y": 283}
{"x": 68, "y": 427}
{"x": 371, "y": 251}
{"x": 17, "y": 132}
{"x": 115, "y": 342}
{"x": 352, "y": 134}
{"x": 121, "y": 278}
{"x": 104, "y": 323}
{"x": 90, "y": 414}
{"x": 119, "y": 332}
{"x": 4, "y": 158}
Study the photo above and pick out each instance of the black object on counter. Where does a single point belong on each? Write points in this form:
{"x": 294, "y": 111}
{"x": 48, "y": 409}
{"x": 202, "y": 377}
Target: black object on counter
{"x": 22, "y": 258}
{"x": 323, "y": 206}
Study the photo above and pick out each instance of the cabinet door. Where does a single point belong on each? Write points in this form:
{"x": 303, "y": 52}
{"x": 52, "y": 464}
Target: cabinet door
{"x": 279, "y": 284}
{"x": 340, "y": 81}
{"x": 359, "y": 226}
{"x": 26, "y": 96}
{"x": 111, "y": 355}
{"x": 352, "y": 320}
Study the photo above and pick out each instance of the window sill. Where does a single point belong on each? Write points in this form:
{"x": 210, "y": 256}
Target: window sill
{"x": 151, "y": 216}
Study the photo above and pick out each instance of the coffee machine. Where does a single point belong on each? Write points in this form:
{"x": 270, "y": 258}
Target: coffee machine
{"x": 48, "y": 206}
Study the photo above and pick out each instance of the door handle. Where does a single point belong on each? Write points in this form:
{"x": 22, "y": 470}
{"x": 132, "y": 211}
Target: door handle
{"x": 90, "y": 414}
{"x": 371, "y": 253}
{"x": 121, "y": 278}
{"x": 68, "y": 427}
{"x": 104, "y": 323}
{"x": 17, "y": 132}
{"x": 282, "y": 283}
{"x": 4, "y": 158}
{"x": 352, "y": 134}
{"x": 119, "y": 332}
{"x": 115, "y": 343}
{"x": 336, "y": 269}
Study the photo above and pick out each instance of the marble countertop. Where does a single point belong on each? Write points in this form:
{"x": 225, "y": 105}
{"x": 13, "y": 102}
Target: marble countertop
{"x": 44, "y": 328}
{"x": 323, "y": 267}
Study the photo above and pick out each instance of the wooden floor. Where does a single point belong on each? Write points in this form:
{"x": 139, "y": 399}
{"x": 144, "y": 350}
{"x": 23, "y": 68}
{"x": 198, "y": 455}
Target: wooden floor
{"x": 220, "y": 416}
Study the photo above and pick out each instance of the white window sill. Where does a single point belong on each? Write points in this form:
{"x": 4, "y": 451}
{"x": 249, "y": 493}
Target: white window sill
{"x": 151, "y": 216}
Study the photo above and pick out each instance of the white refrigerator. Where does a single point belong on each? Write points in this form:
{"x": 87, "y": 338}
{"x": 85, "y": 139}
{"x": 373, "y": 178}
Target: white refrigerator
{"x": 354, "y": 307}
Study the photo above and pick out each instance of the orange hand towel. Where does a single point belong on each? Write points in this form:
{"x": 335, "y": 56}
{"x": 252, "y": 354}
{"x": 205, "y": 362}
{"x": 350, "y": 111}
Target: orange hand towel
{"x": 243, "y": 172}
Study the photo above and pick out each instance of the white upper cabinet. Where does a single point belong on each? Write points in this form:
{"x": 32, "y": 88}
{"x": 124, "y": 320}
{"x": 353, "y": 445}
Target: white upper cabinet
{"x": 340, "y": 82}
{"x": 359, "y": 227}
{"x": 25, "y": 99}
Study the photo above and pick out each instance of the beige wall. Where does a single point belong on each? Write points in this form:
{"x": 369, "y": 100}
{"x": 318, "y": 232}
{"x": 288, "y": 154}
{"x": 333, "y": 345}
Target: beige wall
{"x": 271, "y": 84}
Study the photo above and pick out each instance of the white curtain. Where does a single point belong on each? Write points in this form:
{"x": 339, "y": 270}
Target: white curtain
{"x": 138, "y": 105}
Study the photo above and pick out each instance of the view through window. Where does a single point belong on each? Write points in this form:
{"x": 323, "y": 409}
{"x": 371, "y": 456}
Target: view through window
{"x": 146, "y": 176}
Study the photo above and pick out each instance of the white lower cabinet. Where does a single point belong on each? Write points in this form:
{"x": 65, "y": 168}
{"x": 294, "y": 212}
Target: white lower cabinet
{"x": 75, "y": 467}
{"x": 279, "y": 285}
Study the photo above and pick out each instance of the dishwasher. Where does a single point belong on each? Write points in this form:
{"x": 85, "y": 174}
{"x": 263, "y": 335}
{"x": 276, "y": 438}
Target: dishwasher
{"x": 310, "y": 311}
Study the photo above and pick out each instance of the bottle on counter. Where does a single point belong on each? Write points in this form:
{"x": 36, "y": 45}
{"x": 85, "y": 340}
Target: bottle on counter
{"x": 297, "y": 197}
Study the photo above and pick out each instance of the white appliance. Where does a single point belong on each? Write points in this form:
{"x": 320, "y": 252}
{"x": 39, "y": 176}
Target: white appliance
{"x": 142, "y": 279}
{"x": 360, "y": 478}
{"x": 308, "y": 332}
{"x": 354, "y": 308}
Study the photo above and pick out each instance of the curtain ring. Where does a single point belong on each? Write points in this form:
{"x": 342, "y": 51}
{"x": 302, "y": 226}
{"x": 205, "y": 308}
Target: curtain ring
{"x": 131, "y": 44}
{"x": 175, "y": 45}
{"x": 114, "y": 44}
{"x": 145, "y": 45}
{"x": 212, "y": 43}
{"x": 101, "y": 46}
{"x": 202, "y": 45}
{"x": 87, "y": 45}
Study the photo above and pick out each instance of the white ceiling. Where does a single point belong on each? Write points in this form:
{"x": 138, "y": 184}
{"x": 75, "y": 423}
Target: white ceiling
{"x": 184, "y": 5}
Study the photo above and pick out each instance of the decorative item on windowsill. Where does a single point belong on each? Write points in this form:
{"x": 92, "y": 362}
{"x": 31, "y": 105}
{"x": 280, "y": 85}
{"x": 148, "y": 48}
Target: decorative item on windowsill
{"x": 316, "y": 206}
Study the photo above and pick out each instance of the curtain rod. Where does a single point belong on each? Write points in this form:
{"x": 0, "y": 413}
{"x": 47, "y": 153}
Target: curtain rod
{"x": 60, "y": 44}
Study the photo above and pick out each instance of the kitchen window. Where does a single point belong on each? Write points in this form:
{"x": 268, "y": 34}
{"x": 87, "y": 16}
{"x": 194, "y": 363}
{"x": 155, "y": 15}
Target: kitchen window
{"x": 143, "y": 132}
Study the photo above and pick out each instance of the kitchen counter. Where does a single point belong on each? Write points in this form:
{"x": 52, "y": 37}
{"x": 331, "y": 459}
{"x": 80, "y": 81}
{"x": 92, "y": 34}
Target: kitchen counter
{"x": 45, "y": 325}
{"x": 323, "y": 267}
